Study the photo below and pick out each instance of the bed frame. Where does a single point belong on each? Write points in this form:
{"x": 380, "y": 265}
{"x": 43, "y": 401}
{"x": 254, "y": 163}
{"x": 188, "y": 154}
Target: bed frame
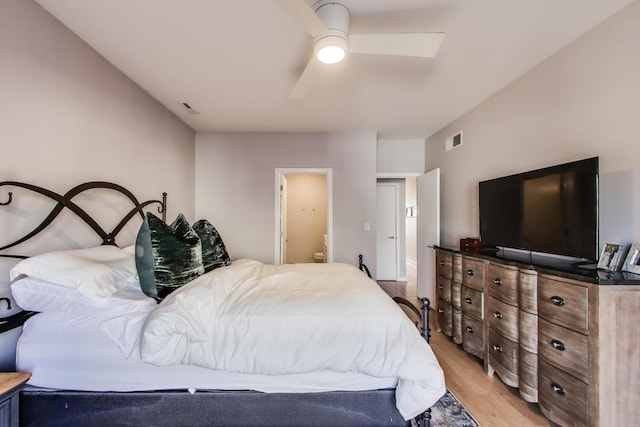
{"x": 45, "y": 407}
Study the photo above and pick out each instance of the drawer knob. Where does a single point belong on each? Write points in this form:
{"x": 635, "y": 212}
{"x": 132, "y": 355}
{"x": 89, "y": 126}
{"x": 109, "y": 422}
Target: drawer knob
{"x": 559, "y": 301}
{"x": 468, "y": 300}
{"x": 497, "y": 315}
{"x": 558, "y": 389}
{"x": 497, "y": 348}
{"x": 469, "y": 329}
{"x": 558, "y": 345}
{"x": 470, "y": 272}
{"x": 497, "y": 281}
{"x": 441, "y": 311}
{"x": 441, "y": 263}
{"x": 441, "y": 287}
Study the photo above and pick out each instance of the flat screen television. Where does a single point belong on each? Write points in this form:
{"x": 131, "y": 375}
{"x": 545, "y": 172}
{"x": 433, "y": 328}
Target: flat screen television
{"x": 552, "y": 210}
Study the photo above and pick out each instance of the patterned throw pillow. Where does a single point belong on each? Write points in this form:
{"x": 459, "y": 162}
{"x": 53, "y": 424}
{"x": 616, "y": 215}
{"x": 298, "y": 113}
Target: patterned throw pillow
{"x": 214, "y": 252}
{"x": 167, "y": 256}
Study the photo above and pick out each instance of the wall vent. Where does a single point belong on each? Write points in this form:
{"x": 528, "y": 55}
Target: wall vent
{"x": 453, "y": 141}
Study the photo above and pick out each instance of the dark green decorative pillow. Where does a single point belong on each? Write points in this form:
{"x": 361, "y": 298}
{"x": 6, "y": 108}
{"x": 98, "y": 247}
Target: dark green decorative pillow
{"x": 167, "y": 256}
{"x": 214, "y": 252}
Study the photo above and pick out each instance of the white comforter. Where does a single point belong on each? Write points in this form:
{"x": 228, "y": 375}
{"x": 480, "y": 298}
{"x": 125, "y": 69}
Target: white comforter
{"x": 264, "y": 319}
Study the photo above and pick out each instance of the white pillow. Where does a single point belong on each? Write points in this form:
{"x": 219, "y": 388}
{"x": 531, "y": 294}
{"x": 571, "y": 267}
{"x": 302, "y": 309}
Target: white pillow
{"x": 33, "y": 294}
{"x": 96, "y": 272}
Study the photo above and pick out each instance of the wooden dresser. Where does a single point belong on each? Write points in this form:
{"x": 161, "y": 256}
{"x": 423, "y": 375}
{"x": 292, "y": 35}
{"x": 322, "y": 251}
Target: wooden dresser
{"x": 444, "y": 274}
{"x": 528, "y": 331}
{"x": 567, "y": 341}
{"x": 448, "y": 284}
{"x": 10, "y": 385}
{"x": 502, "y": 312}
{"x": 474, "y": 335}
{"x": 456, "y": 304}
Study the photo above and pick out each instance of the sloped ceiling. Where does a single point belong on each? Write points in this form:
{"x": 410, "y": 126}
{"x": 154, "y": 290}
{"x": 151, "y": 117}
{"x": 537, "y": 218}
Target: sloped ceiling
{"x": 236, "y": 61}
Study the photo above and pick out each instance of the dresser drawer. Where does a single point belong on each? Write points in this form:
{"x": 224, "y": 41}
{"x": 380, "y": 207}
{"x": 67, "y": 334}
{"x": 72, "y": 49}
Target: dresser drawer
{"x": 443, "y": 288}
{"x": 563, "y": 303}
{"x": 564, "y": 349}
{"x": 528, "y": 291}
{"x": 473, "y": 273}
{"x": 562, "y": 398}
{"x": 528, "y": 327}
{"x": 445, "y": 317}
{"x": 502, "y": 283}
{"x": 456, "y": 289}
{"x": 503, "y": 318}
{"x": 444, "y": 263}
{"x": 503, "y": 357}
{"x": 472, "y": 302}
{"x": 472, "y": 336}
{"x": 528, "y": 375}
{"x": 457, "y": 268}
{"x": 457, "y": 325}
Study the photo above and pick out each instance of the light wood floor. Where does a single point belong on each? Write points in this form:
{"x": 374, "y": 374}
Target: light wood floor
{"x": 489, "y": 400}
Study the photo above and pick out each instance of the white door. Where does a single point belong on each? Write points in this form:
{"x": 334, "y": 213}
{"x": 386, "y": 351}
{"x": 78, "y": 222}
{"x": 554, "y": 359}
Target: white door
{"x": 428, "y": 201}
{"x": 387, "y": 232}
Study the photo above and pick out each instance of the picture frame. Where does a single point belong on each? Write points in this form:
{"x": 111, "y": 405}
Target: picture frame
{"x": 632, "y": 261}
{"x": 610, "y": 257}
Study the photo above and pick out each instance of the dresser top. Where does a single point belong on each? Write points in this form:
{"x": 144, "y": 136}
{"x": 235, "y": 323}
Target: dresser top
{"x": 568, "y": 271}
{"x": 11, "y": 380}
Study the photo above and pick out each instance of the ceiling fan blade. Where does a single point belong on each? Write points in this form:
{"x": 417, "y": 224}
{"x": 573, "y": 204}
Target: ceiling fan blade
{"x": 424, "y": 45}
{"x": 306, "y": 79}
{"x": 304, "y": 15}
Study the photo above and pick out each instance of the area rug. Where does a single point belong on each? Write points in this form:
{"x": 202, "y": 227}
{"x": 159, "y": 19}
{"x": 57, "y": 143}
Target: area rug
{"x": 448, "y": 412}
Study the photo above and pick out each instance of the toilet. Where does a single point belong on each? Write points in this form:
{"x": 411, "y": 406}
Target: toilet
{"x": 321, "y": 256}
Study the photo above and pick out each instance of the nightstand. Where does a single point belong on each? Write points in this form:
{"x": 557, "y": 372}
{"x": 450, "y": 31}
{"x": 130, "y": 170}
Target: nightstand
{"x": 10, "y": 385}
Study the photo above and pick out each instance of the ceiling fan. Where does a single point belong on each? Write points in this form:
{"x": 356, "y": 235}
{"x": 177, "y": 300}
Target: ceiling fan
{"x": 328, "y": 22}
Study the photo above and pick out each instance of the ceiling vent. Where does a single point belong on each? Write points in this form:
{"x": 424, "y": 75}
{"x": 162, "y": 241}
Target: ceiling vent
{"x": 189, "y": 108}
{"x": 453, "y": 141}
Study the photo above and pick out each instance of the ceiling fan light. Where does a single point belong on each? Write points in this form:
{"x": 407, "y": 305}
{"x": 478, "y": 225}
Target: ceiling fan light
{"x": 331, "y": 49}
{"x": 331, "y": 54}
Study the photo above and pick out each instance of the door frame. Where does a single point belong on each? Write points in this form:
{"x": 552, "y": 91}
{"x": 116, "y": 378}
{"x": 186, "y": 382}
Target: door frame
{"x": 279, "y": 172}
{"x": 396, "y": 186}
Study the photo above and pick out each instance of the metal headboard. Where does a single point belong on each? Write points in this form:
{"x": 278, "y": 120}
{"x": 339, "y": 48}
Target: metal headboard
{"x": 65, "y": 201}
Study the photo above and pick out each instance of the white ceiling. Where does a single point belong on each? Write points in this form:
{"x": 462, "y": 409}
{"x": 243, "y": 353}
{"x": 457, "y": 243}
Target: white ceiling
{"x": 236, "y": 61}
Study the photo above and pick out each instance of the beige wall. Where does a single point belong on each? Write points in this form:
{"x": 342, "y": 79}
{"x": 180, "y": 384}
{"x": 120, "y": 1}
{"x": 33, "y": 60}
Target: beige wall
{"x": 68, "y": 116}
{"x": 306, "y": 215}
{"x": 400, "y": 157}
{"x": 235, "y": 187}
{"x": 582, "y": 102}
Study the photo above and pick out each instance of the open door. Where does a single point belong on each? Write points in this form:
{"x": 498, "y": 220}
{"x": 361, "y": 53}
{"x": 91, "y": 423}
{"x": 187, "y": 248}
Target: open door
{"x": 428, "y": 233}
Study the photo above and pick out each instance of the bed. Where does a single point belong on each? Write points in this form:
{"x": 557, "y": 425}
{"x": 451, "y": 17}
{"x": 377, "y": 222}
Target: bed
{"x": 244, "y": 343}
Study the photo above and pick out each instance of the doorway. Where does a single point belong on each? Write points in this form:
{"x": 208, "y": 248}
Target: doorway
{"x": 303, "y": 215}
{"x": 418, "y": 232}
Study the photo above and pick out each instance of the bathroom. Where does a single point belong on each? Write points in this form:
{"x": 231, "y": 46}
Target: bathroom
{"x": 306, "y": 218}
